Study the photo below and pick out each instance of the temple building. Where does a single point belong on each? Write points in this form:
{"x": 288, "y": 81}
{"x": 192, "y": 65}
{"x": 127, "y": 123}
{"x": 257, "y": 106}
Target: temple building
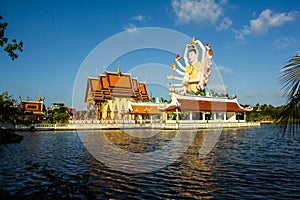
{"x": 118, "y": 96}
{"x": 204, "y": 109}
{"x": 33, "y": 110}
{"x": 33, "y": 107}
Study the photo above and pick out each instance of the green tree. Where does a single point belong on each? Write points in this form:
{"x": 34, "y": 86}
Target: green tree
{"x": 6, "y": 46}
{"x": 60, "y": 115}
{"x": 9, "y": 111}
{"x": 290, "y": 80}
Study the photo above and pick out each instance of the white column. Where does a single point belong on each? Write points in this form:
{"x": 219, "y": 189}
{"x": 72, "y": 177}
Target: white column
{"x": 214, "y": 116}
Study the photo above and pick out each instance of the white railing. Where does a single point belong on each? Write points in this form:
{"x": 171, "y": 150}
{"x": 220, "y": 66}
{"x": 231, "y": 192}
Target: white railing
{"x": 172, "y": 125}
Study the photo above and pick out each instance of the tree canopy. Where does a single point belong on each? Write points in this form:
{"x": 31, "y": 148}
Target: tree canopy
{"x": 9, "y": 111}
{"x": 5, "y": 45}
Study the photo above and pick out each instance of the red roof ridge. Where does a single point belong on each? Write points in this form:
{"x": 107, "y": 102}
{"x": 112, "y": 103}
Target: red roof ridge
{"x": 203, "y": 103}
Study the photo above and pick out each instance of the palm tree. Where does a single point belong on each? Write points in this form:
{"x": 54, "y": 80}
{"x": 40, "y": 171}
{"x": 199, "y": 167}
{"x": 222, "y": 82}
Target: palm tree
{"x": 289, "y": 119}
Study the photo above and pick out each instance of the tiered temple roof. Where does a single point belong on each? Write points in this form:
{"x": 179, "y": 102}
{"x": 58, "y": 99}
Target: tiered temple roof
{"x": 116, "y": 84}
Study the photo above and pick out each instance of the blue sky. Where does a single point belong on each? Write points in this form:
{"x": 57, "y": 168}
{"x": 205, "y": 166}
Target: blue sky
{"x": 251, "y": 41}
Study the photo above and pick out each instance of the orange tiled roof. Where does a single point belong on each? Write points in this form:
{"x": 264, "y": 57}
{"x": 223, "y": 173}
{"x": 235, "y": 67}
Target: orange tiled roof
{"x": 114, "y": 84}
{"x": 136, "y": 89}
{"x": 144, "y": 91}
{"x": 120, "y": 85}
{"x": 94, "y": 85}
{"x": 145, "y": 108}
{"x": 206, "y": 104}
{"x": 104, "y": 87}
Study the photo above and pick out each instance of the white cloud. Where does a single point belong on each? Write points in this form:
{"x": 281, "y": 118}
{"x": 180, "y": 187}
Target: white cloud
{"x": 225, "y": 24}
{"x": 131, "y": 29}
{"x": 219, "y": 88}
{"x": 284, "y": 42}
{"x": 139, "y": 18}
{"x": 196, "y": 10}
{"x": 266, "y": 20}
{"x": 224, "y": 69}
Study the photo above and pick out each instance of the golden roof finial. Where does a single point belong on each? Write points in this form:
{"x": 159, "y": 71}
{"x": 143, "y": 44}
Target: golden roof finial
{"x": 39, "y": 99}
{"x": 119, "y": 69}
{"x": 193, "y": 40}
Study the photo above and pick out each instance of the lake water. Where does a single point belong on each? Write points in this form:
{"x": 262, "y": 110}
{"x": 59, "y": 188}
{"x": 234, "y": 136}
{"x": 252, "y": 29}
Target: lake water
{"x": 248, "y": 163}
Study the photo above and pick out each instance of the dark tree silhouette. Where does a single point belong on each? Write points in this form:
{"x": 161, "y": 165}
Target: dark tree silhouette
{"x": 5, "y": 45}
{"x": 289, "y": 119}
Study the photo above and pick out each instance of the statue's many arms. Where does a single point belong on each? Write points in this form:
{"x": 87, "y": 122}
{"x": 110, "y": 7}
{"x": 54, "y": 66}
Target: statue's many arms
{"x": 195, "y": 74}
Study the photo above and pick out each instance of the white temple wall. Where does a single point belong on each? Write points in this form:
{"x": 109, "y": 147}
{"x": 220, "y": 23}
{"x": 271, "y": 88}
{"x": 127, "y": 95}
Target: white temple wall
{"x": 230, "y": 117}
{"x": 118, "y": 105}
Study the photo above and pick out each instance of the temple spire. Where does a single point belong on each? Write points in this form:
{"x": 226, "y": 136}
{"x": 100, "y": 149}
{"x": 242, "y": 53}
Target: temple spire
{"x": 119, "y": 69}
{"x": 193, "y": 40}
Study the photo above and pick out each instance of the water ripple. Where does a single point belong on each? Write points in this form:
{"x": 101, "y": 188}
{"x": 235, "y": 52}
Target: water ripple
{"x": 245, "y": 164}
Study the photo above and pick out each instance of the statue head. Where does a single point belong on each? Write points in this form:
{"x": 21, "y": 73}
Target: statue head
{"x": 193, "y": 54}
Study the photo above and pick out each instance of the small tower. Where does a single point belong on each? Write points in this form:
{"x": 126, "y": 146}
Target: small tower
{"x": 119, "y": 69}
{"x": 39, "y": 99}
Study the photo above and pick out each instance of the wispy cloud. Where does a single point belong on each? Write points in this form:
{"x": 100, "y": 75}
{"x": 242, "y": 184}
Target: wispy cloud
{"x": 131, "y": 28}
{"x": 224, "y": 69}
{"x": 225, "y": 24}
{"x": 140, "y": 18}
{"x": 196, "y": 10}
{"x": 266, "y": 20}
{"x": 284, "y": 42}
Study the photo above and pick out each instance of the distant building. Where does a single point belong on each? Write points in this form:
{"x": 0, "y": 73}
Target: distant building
{"x": 33, "y": 107}
{"x": 33, "y": 111}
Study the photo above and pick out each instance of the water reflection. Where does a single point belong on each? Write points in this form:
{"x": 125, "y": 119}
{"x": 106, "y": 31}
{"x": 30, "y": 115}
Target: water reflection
{"x": 126, "y": 153}
{"x": 245, "y": 163}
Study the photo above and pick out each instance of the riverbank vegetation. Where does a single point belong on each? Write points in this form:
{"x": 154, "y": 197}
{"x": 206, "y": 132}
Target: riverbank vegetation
{"x": 11, "y": 112}
{"x": 264, "y": 113}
